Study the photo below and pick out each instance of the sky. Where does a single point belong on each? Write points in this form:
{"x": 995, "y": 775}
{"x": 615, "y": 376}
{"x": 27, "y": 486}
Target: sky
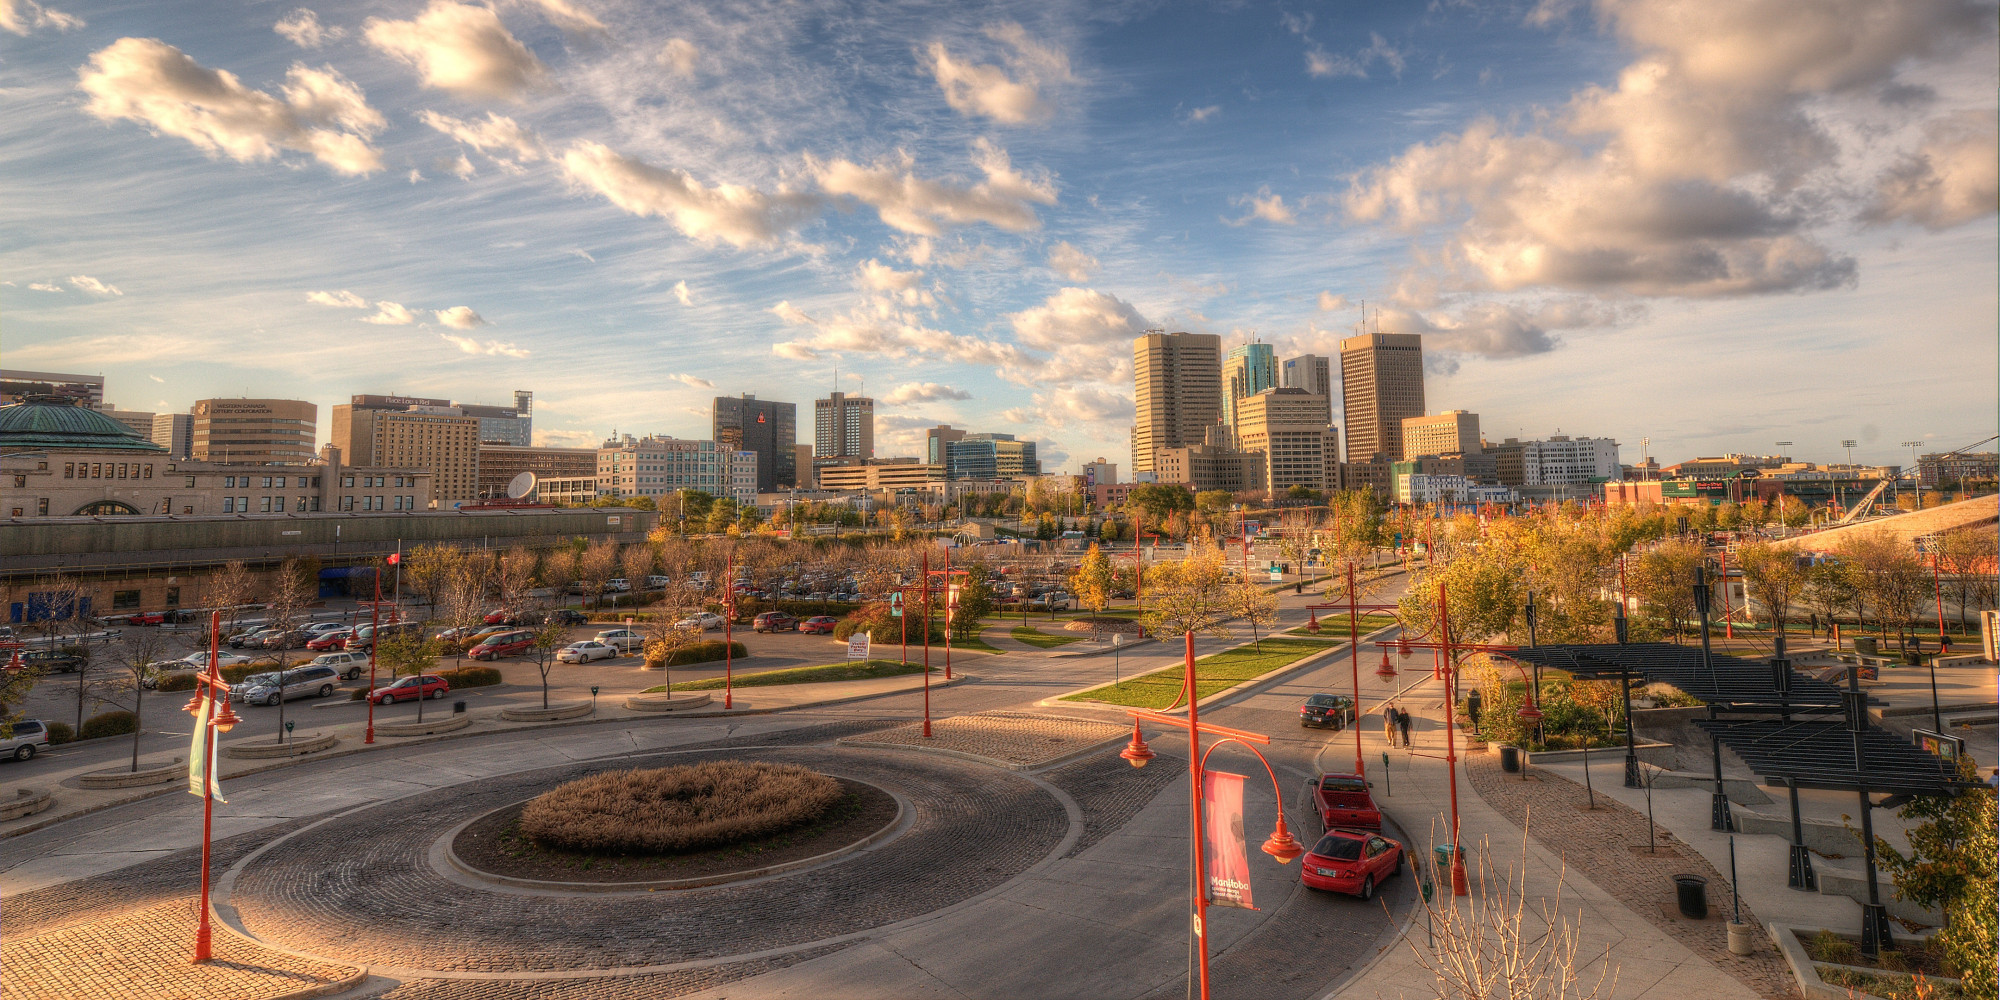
{"x": 1695, "y": 227}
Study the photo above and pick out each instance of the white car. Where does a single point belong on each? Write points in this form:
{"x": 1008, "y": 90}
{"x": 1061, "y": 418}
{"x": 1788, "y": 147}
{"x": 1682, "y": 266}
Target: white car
{"x": 657, "y": 583}
{"x": 617, "y": 585}
{"x": 623, "y": 640}
{"x": 224, "y": 658}
{"x": 321, "y": 628}
{"x": 586, "y": 651}
{"x": 706, "y": 621}
{"x": 349, "y": 664}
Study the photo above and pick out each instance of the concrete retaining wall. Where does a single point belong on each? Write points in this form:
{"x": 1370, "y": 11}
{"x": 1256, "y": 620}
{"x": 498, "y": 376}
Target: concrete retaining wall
{"x": 289, "y": 748}
{"x": 559, "y": 710}
{"x": 666, "y": 703}
{"x": 133, "y": 779}
{"x": 441, "y": 724}
{"x": 27, "y": 803}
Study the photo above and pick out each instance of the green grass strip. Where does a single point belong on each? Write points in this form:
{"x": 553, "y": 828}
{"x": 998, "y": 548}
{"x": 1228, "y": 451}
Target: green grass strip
{"x": 859, "y": 670}
{"x": 1213, "y": 673}
{"x": 1040, "y": 639}
{"x": 1333, "y": 625}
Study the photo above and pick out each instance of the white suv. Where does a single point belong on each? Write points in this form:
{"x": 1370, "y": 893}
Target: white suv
{"x": 350, "y": 664}
{"x": 31, "y": 736}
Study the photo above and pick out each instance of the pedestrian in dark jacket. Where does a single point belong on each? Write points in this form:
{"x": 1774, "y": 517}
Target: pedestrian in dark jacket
{"x": 1403, "y": 726}
{"x": 1472, "y": 702}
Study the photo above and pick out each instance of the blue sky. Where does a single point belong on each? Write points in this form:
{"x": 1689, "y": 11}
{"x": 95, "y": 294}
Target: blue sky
{"x": 1716, "y": 226}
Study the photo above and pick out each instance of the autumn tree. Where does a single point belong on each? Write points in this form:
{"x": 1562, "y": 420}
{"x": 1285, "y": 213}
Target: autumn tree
{"x": 1890, "y": 578}
{"x": 1964, "y": 560}
{"x": 1774, "y": 575}
{"x": 1663, "y": 581}
{"x": 637, "y": 563}
{"x": 1828, "y": 589}
{"x": 1189, "y": 596}
{"x": 428, "y": 569}
{"x": 285, "y": 609}
{"x": 514, "y": 575}
{"x": 1256, "y": 606}
{"x": 1950, "y": 868}
{"x": 1092, "y": 584}
{"x": 595, "y": 569}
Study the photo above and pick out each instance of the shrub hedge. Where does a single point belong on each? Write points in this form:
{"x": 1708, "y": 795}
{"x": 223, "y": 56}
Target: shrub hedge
{"x": 114, "y": 723}
{"x": 471, "y": 676}
{"x": 683, "y": 808}
{"x": 60, "y": 732}
{"x": 702, "y": 652}
{"x": 177, "y": 682}
{"x": 882, "y": 626}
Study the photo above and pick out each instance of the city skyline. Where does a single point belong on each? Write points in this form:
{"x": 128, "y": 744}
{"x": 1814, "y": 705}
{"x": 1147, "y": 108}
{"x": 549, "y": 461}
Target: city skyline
{"x": 633, "y": 210}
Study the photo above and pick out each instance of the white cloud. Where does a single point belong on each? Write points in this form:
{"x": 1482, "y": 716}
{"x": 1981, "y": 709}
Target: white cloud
{"x": 153, "y": 83}
{"x": 1089, "y": 403}
{"x": 22, "y": 17}
{"x": 1071, "y": 264}
{"x": 794, "y": 351}
{"x": 44, "y": 286}
{"x": 691, "y": 381}
{"x": 740, "y": 216}
{"x": 1076, "y": 319}
{"x": 681, "y": 293}
{"x": 1263, "y": 205}
{"x": 1953, "y": 177}
{"x": 567, "y": 16}
{"x": 982, "y": 89}
{"x": 498, "y": 136}
{"x": 303, "y": 28}
{"x": 1321, "y": 63}
{"x": 390, "y": 314}
{"x": 923, "y": 392}
{"x": 415, "y": 176}
{"x": 1199, "y": 115}
{"x": 681, "y": 57}
{"x": 458, "y": 166}
{"x": 1329, "y": 302}
{"x": 461, "y": 49}
{"x": 460, "y": 317}
{"x": 1005, "y": 199}
{"x": 86, "y": 283}
{"x": 155, "y": 378}
{"x": 491, "y": 348}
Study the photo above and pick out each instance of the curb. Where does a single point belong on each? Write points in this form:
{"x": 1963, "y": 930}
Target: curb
{"x": 266, "y": 751}
{"x": 1239, "y": 689}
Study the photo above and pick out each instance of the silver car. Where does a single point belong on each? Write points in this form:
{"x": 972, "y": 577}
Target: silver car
{"x": 31, "y": 736}
{"x": 310, "y": 680}
{"x": 623, "y": 640}
{"x": 348, "y": 663}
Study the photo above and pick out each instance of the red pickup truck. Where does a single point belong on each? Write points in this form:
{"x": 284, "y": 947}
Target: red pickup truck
{"x": 1343, "y": 800}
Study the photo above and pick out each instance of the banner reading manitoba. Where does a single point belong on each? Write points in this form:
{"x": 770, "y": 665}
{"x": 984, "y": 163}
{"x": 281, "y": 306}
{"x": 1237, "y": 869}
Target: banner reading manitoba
{"x": 1228, "y": 860}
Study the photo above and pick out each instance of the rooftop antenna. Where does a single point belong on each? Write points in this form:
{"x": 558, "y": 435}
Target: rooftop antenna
{"x": 1644, "y": 443}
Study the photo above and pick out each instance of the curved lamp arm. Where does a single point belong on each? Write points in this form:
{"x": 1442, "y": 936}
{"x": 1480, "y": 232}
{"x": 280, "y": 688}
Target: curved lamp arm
{"x": 1281, "y": 844}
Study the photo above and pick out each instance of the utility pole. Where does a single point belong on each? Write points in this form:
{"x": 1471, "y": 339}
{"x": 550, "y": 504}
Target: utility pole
{"x": 1916, "y": 478}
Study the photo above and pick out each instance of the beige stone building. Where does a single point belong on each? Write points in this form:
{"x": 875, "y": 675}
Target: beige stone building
{"x": 1286, "y": 428}
{"x": 440, "y": 439}
{"x": 1453, "y": 432}
{"x": 1382, "y": 382}
{"x": 254, "y": 431}
{"x": 1177, "y": 379}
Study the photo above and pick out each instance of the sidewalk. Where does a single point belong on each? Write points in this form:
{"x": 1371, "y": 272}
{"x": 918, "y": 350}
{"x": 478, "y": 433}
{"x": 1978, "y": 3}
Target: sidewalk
{"x": 1645, "y": 961}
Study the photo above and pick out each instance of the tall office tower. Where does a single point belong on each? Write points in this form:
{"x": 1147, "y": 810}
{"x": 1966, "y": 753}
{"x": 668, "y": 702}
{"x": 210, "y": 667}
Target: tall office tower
{"x": 937, "y": 443}
{"x": 1287, "y": 430}
{"x": 990, "y": 456}
{"x": 1249, "y": 370}
{"x": 439, "y": 438}
{"x": 769, "y": 428}
{"x": 1311, "y": 372}
{"x": 174, "y": 432}
{"x": 1381, "y": 381}
{"x": 802, "y": 460}
{"x": 86, "y": 390}
{"x": 1453, "y": 432}
{"x": 513, "y": 425}
{"x": 258, "y": 432}
{"x": 843, "y": 429}
{"x": 1178, "y": 392}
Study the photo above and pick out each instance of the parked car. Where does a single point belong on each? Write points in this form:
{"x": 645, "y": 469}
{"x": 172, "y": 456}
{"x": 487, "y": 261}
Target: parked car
{"x": 585, "y": 651}
{"x": 775, "y": 621}
{"x": 322, "y": 628}
{"x": 51, "y": 661}
{"x": 291, "y": 638}
{"x": 1351, "y": 861}
{"x": 240, "y": 690}
{"x": 657, "y": 583}
{"x": 410, "y": 689}
{"x": 146, "y": 618}
{"x": 462, "y": 632}
{"x": 1343, "y": 800}
{"x": 502, "y": 644}
{"x": 349, "y": 663}
{"x": 565, "y": 616}
{"x": 312, "y": 679}
{"x": 500, "y": 616}
{"x": 819, "y": 625}
{"x": 617, "y": 585}
{"x": 365, "y": 635}
{"x": 31, "y": 736}
{"x": 624, "y": 640}
{"x": 705, "y": 622}
{"x": 330, "y": 639}
{"x": 1323, "y": 711}
{"x": 199, "y": 660}
{"x": 252, "y": 639}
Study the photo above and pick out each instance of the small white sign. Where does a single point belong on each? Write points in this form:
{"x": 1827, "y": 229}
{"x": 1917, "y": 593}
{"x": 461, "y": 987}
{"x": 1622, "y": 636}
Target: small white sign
{"x": 1277, "y": 576}
{"x": 612, "y": 519}
{"x": 857, "y": 646}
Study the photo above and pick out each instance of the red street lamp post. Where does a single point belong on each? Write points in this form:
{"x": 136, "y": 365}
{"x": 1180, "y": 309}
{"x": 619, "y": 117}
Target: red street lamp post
{"x": 210, "y": 688}
{"x": 1281, "y": 845}
{"x": 927, "y": 645}
{"x": 1354, "y": 663}
{"x": 728, "y": 638}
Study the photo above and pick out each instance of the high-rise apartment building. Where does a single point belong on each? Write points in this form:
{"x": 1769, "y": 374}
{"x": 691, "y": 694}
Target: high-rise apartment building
{"x": 742, "y": 486}
{"x": 174, "y": 432}
{"x": 658, "y": 467}
{"x": 1566, "y": 461}
{"x": 1453, "y": 432}
{"x": 1311, "y": 372}
{"x": 1099, "y": 471}
{"x": 86, "y": 391}
{"x": 1381, "y": 381}
{"x": 139, "y": 422}
{"x": 256, "y": 432}
{"x": 769, "y": 428}
{"x": 439, "y": 438}
{"x": 513, "y": 425}
{"x": 990, "y": 456}
{"x": 1287, "y": 430}
{"x": 843, "y": 429}
{"x": 1178, "y": 392}
{"x": 938, "y": 440}
{"x": 1249, "y": 370}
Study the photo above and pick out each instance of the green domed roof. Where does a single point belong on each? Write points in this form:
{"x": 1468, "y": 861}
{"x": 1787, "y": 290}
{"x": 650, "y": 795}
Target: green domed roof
{"x": 53, "y": 422}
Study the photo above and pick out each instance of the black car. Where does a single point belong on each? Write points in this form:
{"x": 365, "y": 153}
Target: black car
{"x": 51, "y": 661}
{"x": 566, "y": 616}
{"x": 1324, "y": 711}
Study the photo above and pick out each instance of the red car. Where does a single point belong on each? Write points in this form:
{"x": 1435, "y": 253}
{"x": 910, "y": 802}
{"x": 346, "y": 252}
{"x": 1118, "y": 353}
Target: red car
{"x": 1351, "y": 861}
{"x": 1344, "y": 800}
{"x": 503, "y": 644}
{"x": 147, "y": 618}
{"x": 336, "y": 639}
{"x": 819, "y": 625}
{"x": 502, "y": 616}
{"x": 410, "y": 689}
{"x": 776, "y": 621}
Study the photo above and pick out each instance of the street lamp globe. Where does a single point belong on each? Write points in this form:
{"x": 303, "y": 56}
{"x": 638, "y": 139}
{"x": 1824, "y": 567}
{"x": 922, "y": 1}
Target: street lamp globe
{"x": 1137, "y": 752}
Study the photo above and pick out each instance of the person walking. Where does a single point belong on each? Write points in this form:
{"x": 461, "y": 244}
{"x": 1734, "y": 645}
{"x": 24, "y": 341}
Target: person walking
{"x": 1403, "y": 726}
{"x": 1472, "y": 702}
{"x": 1389, "y": 725}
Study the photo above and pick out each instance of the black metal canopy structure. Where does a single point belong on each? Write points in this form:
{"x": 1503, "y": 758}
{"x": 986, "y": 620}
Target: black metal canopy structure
{"x": 1830, "y": 754}
{"x": 1731, "y": 681}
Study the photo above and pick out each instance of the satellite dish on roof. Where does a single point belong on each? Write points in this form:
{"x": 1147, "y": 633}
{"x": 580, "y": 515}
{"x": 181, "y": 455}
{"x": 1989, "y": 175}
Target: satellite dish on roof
{"x": 521, "y": 486}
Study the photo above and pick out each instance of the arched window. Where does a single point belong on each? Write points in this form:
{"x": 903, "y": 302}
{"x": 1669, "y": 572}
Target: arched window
{"x": 98, "y": 508}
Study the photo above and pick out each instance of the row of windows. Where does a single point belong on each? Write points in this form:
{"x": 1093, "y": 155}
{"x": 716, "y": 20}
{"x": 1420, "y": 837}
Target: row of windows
{"x": 107, "y": 470}
{"x": 378, "y": 503}
{"x": 267, "y": 505}
{"x": 376, "y": 482}
{"x": 269, "y": 482}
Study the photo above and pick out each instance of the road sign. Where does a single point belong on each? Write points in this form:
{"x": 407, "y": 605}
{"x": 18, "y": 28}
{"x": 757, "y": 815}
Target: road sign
{"x": 1277, "y": 577}
{"x": 857, "y": 646}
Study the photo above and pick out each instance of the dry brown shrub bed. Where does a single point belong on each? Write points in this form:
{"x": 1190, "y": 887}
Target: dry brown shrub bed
{"x": 670, "y": 810}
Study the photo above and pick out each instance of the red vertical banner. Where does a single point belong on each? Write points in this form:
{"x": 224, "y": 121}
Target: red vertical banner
{"x": 1228, "y": 859}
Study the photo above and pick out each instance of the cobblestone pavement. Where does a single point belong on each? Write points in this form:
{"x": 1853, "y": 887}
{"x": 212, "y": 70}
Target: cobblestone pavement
{"x": 1015, "y": 738}
{"x": 1112, "y": 791}
{"x": 1598, "y": 844}
{"x": 143, "y": 955}
{"x": 360, "y": 888}
{"x": 665, "y": 984}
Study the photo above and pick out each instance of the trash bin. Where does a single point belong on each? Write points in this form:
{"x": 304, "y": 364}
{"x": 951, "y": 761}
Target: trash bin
{"x": 1693, "y": 894}
{"x": 1443, "y": 854}
{"x": 457, "y": 706}
{"x": 1865, "y": 645}
{"x": 1510, "y": 759}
